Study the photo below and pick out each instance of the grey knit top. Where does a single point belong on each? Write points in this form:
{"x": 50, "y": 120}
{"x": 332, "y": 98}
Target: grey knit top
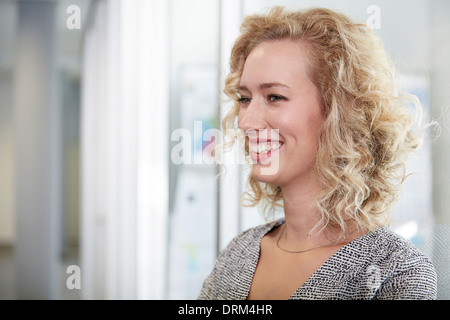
{"x": 378, "y": 265}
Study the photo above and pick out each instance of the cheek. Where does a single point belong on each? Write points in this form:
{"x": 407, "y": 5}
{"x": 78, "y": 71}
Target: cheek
{"x": 304, "y": 131}
{"x": 240, "y": 115}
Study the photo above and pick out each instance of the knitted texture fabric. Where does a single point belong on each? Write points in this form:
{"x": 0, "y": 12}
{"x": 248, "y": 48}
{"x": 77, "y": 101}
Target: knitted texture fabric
{"x": 378, "y": 265}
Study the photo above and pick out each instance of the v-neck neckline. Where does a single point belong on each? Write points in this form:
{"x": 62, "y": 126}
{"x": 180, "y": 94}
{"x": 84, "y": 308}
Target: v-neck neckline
{"x": 326, "y": 265}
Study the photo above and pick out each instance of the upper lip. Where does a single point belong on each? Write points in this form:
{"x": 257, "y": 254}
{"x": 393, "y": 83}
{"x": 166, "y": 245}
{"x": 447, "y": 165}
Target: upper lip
{"x": 255, "y": 137}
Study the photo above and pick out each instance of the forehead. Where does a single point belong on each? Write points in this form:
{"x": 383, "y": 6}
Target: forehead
{"x": 274, "y": 61}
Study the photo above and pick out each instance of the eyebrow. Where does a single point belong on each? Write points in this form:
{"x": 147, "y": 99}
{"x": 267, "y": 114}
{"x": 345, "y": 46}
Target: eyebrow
{"x": 266, "y": 86}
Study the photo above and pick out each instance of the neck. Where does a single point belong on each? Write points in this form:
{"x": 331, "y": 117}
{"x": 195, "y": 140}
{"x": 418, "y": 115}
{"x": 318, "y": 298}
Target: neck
{"x": 301, "y": 216}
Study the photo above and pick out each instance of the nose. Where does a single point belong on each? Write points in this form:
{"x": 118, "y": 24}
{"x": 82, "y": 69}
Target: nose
{"x": 252, "y": 116}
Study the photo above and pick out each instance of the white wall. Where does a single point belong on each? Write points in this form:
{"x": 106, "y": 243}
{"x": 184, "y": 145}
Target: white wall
{"x": 440, "y": 106}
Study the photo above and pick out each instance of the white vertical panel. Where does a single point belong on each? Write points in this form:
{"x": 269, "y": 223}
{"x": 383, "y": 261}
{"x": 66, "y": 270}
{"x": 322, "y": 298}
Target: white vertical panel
{"x": 98, "y": 161}
{"x": 125, "y": 156}
{"x": 87, "y": 225}
{"x": 109, "y": 119}
{"x": 230, "y": 186}
{"x": 152, "y": 152}
{"x": 127, "y": 143}
{"x": 91, "y": 219}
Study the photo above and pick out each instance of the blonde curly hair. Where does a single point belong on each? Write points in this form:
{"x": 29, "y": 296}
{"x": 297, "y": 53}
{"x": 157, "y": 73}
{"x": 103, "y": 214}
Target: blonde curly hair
{"x": 367, "y": 134}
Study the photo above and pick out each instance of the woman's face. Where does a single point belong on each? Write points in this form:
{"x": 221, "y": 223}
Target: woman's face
{"x": 280, "y": 113}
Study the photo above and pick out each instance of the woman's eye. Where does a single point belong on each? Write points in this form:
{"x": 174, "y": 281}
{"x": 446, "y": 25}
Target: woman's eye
{"x": 244, "y": 100}
{"x": 275, "y": 98}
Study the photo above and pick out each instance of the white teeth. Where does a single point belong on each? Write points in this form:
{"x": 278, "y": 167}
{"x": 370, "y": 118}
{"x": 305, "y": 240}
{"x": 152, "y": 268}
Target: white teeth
{"x": 264, "y": 148}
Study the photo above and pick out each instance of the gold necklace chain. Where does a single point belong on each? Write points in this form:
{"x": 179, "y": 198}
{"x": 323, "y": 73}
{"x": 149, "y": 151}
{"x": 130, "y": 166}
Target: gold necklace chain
{"x": 314, "y": 248}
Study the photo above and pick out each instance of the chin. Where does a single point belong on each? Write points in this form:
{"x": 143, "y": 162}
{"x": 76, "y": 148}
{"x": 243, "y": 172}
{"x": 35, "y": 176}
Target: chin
{"x": 267, "y": 174}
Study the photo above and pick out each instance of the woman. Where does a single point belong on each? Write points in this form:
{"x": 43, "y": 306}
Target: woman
{"x": 328, "y": 136}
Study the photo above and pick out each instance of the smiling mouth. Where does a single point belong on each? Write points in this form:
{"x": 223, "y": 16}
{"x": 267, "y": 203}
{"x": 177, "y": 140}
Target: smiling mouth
{"x": 265, "y": 147}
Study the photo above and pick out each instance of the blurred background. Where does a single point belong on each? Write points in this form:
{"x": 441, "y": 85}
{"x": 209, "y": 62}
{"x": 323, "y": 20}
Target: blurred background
{"x": 97, "y": 98}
